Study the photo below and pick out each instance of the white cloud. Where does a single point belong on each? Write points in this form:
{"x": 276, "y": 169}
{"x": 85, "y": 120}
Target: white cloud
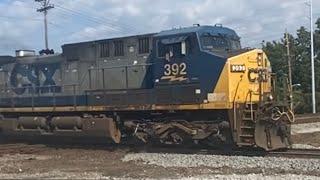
{"x": 90, "y": 33}
{"x": 17, "y": 24}
{"x": 95, "y": 19}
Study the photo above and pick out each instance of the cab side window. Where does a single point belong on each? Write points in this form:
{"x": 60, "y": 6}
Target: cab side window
{"x": 173, "y": 48}
{"x": 213, "y": 42}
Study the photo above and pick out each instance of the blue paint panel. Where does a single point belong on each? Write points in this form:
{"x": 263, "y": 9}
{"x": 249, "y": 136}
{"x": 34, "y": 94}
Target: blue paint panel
{"x": 208, "y": 69}
{"x": 202, "y": 67}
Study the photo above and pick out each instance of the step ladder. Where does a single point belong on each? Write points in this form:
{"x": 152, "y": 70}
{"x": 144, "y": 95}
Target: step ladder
{"x": 247, "y": 125}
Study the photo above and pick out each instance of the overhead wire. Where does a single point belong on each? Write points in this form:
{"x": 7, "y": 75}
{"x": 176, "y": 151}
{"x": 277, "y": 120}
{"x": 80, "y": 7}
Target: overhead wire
{"x": 20, "y": 19}
{"x": 85, "y": 18}
{"x": 107, "y": 23}
{"x": 52, "y": 24}
{"x": 91, "y": 19}
{"x": 113, "y": 22}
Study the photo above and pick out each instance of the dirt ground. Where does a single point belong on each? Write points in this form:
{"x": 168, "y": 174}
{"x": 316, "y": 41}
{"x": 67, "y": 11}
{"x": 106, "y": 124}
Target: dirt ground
{"x": 40, "y": 161}
{"x": 78, "y": 163}
{"x": 312, "y": 139}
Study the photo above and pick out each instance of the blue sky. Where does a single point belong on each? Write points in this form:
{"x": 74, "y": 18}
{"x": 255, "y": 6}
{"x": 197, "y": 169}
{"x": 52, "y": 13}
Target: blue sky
{"x": 82, "y": 20}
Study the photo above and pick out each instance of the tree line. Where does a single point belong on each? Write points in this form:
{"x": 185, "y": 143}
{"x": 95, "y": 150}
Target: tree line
{"x": 300, "y": 50}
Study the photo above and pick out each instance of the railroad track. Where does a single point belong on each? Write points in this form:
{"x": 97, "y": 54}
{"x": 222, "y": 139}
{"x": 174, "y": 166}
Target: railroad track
{"x": 307, "y": 118}
{"x": 297, "y": 153}
{"x": 21, "y": 148}
{"x": 289, "y": 153}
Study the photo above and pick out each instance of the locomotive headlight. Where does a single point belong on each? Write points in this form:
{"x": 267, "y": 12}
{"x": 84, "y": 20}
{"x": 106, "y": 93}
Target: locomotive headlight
{"x": 260, "y": 59}
{"x": 238, "y": 68}
{"x": 270, "y": 98}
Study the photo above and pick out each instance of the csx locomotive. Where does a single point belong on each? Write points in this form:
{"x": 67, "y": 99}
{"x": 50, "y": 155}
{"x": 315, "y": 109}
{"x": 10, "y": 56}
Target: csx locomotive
{"x": 188, "y": 85}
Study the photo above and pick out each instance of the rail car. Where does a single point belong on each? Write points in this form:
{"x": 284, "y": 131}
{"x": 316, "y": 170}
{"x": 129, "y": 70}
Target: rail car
{"x": 189, "y": 85}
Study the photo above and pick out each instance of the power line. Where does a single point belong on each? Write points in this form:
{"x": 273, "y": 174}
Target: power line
{"x": 111, "y": 21}
{"x": 20, "y": 19}
{"x": 114, "y": 26}
{"x": 88, "y": 19}
{"x": 33, "y": 19}
{"x": 107, "y": 24}
{"x": 52, "y": 24}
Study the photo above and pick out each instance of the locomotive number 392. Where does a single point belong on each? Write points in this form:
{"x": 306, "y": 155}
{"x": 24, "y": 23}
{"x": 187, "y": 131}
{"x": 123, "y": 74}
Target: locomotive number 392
{"x": 175, "y": 69}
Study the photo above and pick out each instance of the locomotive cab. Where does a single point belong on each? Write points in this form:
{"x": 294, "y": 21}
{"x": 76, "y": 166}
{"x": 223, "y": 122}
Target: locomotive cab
{"x": 192, "y": 58}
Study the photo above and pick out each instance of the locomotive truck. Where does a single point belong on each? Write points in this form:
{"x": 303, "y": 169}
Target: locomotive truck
{"x": 188, "y": 85}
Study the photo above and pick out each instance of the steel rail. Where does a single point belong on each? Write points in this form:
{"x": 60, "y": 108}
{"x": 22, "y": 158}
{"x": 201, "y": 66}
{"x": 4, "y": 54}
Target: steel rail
{"x": 297, "y": 153}
{"x": 165, "y": 149}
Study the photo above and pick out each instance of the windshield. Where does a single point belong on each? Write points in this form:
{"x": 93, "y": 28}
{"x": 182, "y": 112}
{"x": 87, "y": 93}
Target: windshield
{"x": 219, "y": 43}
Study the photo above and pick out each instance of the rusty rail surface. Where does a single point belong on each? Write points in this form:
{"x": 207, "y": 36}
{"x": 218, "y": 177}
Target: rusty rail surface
{"x": 307, "y": 118}
{"x": 297, "y": 153}
{"x": 35, "y": 148}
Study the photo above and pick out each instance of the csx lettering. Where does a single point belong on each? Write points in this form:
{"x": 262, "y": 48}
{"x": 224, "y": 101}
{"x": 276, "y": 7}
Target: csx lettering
{"x": 258, "y": 75}
{"x": 175, "y": 69}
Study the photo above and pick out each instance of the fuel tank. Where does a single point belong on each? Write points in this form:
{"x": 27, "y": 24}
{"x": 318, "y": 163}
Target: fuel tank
{"x": 68, "y": 126}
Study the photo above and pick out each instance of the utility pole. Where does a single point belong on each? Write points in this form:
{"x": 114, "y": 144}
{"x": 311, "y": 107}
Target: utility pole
{"x": 289, "y": 69}
{"x": 314, "y": 108}
{"x": 45, "y": 7}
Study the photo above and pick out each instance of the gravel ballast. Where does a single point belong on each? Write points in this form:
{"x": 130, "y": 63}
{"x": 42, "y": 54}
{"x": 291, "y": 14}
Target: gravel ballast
{"x": 304, "y": 166}
{"x": 256, "y": 176}
{"x": 70, "y": 175}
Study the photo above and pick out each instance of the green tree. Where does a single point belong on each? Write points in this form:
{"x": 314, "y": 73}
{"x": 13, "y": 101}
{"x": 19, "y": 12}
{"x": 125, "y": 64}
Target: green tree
{"x": 301, "y": 63}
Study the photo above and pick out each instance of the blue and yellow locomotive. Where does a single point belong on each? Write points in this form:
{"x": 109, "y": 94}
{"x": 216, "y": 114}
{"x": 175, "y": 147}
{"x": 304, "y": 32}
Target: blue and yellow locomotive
{"x": 189, "y": 85}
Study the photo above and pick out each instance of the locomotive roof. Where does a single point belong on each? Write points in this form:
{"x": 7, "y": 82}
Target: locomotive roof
{"x": 213, "y": 30}
{"x": 110, "y": 39}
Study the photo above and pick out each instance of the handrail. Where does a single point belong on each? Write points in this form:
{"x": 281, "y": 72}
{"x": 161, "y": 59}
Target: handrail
{"x": 124, "y": 66}
{"x": 34, "y": 93}
{"x": 234, "y": 105}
